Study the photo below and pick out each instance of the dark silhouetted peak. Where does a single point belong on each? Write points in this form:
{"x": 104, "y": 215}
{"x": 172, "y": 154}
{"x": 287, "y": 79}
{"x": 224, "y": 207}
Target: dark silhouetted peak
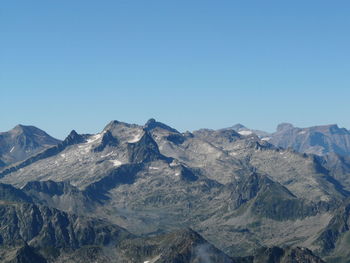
{"x": 144, "y": 150}
{"x": 73, "y": 138}
{"x": 107, "y": 140}
{"x": 152, "y": 124}
{"x": 150, "y": 121}
{"x": 284, "y": 126}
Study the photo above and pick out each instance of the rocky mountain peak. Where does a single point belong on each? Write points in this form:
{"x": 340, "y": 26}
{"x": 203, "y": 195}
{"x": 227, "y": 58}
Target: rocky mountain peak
{"x": 237, "y": 190}
{"x": 152, "y": 124}
{"x": 144, "y": 150}
{"x": 23, "y": 141}
{"x": 20, "y": 128}
{"x": 114, "y": 124}
{"x": 73, "y": 138}
{"x": 107, "y": 140}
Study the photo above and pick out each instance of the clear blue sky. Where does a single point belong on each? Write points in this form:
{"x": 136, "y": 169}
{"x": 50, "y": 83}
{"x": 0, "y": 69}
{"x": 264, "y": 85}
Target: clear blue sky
{"x": 191, "y": 64}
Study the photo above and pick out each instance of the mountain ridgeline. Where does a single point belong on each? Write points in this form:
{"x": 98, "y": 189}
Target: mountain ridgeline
{"x": 149, "y": 193}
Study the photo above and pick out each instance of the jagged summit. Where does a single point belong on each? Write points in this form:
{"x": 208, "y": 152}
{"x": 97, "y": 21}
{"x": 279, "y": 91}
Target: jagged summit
{"x": 73, "y": 138}
{"x": 115, "y": 123}
{"x": 233, "y": 188}
{"x": 107, "y": 140}
{"x": 152, "y": 124}
{"x": 144, "y": 150}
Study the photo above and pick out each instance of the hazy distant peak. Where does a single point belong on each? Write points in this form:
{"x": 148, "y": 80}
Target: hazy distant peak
{"x": 284, "y": 126}
{"x": 319, "y": 140}
{"x": 244, "y": 131}
{"x": 25, "y": 129}
{"x": 238, "y": 126}
{"x": 23, "y": 141}
{"x": 115, "y": 124}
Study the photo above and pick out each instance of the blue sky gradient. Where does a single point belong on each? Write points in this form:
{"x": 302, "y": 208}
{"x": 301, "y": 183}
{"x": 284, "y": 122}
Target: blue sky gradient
{"x": 191, "y": 64}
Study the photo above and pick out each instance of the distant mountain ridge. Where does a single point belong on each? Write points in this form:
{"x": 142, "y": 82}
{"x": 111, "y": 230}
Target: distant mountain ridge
{"x": 21, "y": 142}
{"x": 229, "y": 195}
{"x": 319, "y": 140}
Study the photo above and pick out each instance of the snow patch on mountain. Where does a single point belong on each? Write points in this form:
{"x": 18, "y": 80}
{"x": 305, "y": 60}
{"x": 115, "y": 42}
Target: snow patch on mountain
{"x": 136, "y": 138}
{"x": 245, "y": 132}
{"x": 116, "y": 162}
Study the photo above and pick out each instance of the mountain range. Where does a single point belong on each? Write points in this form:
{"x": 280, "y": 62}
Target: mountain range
{"x": 149, "y": 193}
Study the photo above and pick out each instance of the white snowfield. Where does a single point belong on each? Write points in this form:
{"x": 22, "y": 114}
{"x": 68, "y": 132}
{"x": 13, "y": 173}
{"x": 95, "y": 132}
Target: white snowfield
{"x": 116, "y": 162}
{"x": 136, "y": 138}
{"x": 245, "y": 133}
{"x": 94, "y": 138}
